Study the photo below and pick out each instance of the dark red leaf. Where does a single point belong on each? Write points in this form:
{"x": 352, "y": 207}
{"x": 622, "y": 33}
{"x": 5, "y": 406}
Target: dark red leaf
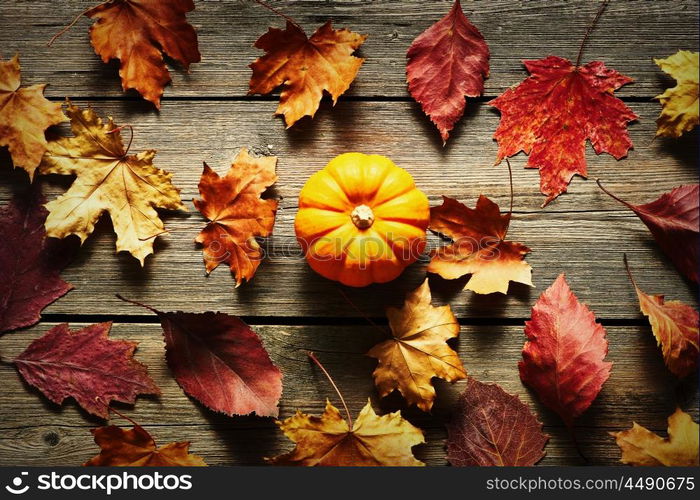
{"x": 491, "y": 427}
{"x": 673, "y": 221}
{"x": 29, "y": 263}
{"x": 85, "y": 365}
{"x": 218, "y": 360}
{"x": 447, "y": 62}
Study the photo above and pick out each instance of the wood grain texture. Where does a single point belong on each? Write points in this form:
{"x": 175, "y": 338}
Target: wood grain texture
{"x": 628, "y": 36}
{"x": 34, "y": 431}
{"x": 207, "y": 116}
{"x": 583, "y": 233}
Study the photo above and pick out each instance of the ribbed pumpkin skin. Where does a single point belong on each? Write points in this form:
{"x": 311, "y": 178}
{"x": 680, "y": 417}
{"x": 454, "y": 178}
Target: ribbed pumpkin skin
{"x": 335, "y": 246}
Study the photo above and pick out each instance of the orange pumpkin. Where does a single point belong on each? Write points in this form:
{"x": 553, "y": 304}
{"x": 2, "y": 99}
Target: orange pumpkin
{"x": 361, "y": 220}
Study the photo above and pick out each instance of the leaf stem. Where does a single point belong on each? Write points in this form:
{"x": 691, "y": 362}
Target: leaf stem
{"x": 275, "y": 11}
{"x": 156, "y": 311}
{"x": 589, "y": 30}
{"x": 131, "y": 139}
{"x": 572, "y": 434}
{"x": 73, "y": 22}
{"x": 627, "y": 268}
{"x": 313, "y": 358}
{"x": 600, "y": 185}
{"x": 510, "y": 178}
{"x": 361, "y": 313}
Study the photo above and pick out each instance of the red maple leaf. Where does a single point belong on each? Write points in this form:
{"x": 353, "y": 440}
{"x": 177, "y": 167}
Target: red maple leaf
{"x": 221, "y": 362}
{"x": 563, "y": 357}
{"x": 447, "y": 62}
{"x": 552, "y": 113}
{"x": 85, "y": 365}
{"x": 491, "y": 427}
{"x": 673, "y": 221}
{"x": 29, "y": 263}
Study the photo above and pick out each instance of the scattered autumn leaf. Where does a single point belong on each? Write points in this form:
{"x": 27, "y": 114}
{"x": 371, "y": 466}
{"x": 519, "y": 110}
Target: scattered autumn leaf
{"x": 236, "y": 213}
{"x": 29, "y": 263}
{"x": 139, "y": 33}
{"x": 418, "y": 349}
{"x": 673, "y": 221}
{"x": 136, "y": 448}
{"x": 24, "y": 116}
{"x": 479, "y": 247}
{"x": 640, "y": 446}
{"x": 109, "y": 179}
{"x": 85, "y": 365}
{"x": 221, "y": 362}
{"x": 488, "y": 426}
{"x": 680, "y": 111}
{"x": 328, "y": 440}
{"x": 552, "y": 113}
{"x": 446, "y": 63}
{"x": 305, "y": 67}
{"x": 563, "y": 357}
{"x": 675, "y": 326}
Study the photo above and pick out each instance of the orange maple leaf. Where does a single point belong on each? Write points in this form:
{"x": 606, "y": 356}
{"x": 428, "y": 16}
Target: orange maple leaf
{"x": 479, "y": 247}
{"x": 552, "y": 113}
{"x": 136, "y": 448}
{"x": 305, "y": 66}
{"x": 24, "y": 116}
{"x": 138, "y": 33}
{"x": 418, "y": 350}
{"x": 236, "y": 214}
{"x": 675, "y": 327}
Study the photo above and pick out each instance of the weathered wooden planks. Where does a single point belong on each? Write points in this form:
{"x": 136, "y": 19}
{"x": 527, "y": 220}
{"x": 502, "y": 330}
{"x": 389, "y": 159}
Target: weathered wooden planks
{"x": 34, "y": 432}
{"x": 583, "y": 233}
{"x": 207, "y": 116}
{"x": 628, "y": 36}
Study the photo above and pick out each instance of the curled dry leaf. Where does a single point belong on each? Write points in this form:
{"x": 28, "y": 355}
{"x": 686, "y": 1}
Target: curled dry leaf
{"x": 446, "y": 63}
{"x": 108, "y": 179}
{"x": 675, "y": 326}
{"x": 680, "y": 107}
{"x": 221, "y": 362}
{"x": 491, "y": 427}
{"x": 305, "y": 67}
{"x": 24, "y": 116}
{"x": 479, "y": 247}
{"x": 640, "y": 446}
{"x": 554, "y": 111}
{"x": 29, "y": 263}
{"x": 136, "y": 448}
{"x": 563, "y": 359}
{"x": 418, "y": 350}
{"x": 139, "y": 33}
{"x": 328, "y": 440}
{"x": 674, "y": 222}
{"x": 236, "y": 213}
{"x": 83, "y": 364}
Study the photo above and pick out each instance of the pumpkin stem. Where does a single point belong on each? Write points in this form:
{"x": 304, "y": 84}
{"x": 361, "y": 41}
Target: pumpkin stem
{"x": 362, "y": 216}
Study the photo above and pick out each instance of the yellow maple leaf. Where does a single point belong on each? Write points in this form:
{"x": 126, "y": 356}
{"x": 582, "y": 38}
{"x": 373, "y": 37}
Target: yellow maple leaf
{"x": 108, "y": 179}
{"x": 680, "y": 103}
{"x": 328, "y": 440}
{"x": 640, "y": 446}
{"x": 24, "y": 116}
{"x": 306, "y": 67}
{"x": 418, "y": 350}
